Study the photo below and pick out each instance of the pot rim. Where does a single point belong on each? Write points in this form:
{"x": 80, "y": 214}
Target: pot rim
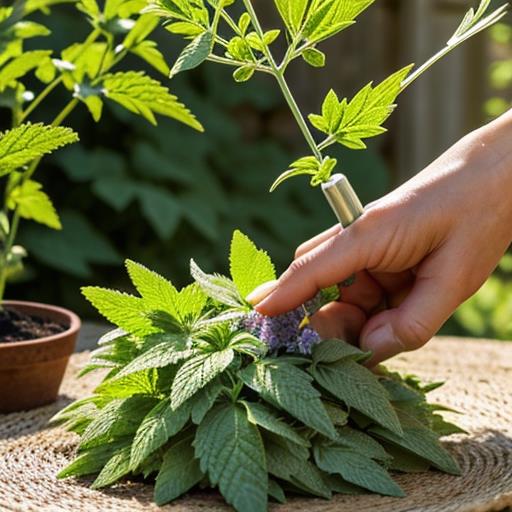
{"x": 74, "y": 323}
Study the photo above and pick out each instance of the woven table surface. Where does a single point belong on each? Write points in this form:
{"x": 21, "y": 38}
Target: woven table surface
{"x": 479, "y": 383}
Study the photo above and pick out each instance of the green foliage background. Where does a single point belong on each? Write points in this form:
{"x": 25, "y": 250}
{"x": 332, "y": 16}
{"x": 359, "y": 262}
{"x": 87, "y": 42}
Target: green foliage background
{"x": 163, "y": 195}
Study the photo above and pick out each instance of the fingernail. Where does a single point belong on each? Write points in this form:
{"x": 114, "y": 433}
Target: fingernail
{"x": 261, "y": 293}
{"x": 383, "y": 344}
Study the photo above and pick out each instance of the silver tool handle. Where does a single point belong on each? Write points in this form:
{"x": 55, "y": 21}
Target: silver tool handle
{"x": 343, "y": 200}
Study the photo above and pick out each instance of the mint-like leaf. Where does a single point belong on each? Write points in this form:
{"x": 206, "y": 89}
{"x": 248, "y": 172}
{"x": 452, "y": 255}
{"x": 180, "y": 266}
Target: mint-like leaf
{"x": 359, "y": 388}
{"x": 231, "y": 452}
{"x": 356, "y": 469}
{"x": 197, "y": 372}
{"x": 160, "y": 424}
{"x": 180, "y": 472}
{"x": 250, "y": 266}
{"x": 289, "y": 388}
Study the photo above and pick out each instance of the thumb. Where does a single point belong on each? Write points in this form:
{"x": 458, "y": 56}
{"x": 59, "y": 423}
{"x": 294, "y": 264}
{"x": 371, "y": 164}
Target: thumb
{"x": 430, "y": 303}
{"x": 330, "y": 263}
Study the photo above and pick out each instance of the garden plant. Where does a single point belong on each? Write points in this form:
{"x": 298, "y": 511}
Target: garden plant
{"x": 203, "y": 391}
{"x": 88, "y": 71}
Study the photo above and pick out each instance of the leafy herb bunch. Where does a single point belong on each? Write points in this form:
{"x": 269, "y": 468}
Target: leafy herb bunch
{"x": 196, "y": 395}
{"x": 87, "y": 70}
{"x": 244, "y": 44}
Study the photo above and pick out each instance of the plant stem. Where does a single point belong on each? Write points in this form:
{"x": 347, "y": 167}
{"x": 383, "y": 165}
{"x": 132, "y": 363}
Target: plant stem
{"x": 37, "y": 101}
{"x": 236, "y": 63}
{"x": 285, "y": 89}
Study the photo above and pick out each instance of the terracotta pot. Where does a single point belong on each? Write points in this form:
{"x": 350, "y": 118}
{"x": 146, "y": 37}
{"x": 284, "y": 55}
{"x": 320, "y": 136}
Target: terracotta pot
{"x": 31, "y": 371}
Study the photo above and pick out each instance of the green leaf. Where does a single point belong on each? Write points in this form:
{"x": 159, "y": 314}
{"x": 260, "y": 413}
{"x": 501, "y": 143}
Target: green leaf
{"x": 119, "y": 418}
{"x": 32, "y": 203}
{"x": 292, "y": 12}
{"x": 290, "y": 463}
{"x": 331, "y": 351}
{"x": 184, "y": 28}
{"x": 359, "y": 388}
{"x": 361, "y": 443}
{"x": 250, "y": 267}
{"x": 92, "y": 461}
{"x": 20, "y": 66}
{"x": 148, "y": 51}
{"x": 197, "y": 372}
{"x": 117, "y": 467}
{"x": 244, "y": 73}
{"x": 180, "y": 472}
{"x": 276, "y": 491}
{"x": 159, "y": 356}
{"x": 423, "y": 443}
{"x": 21, "y": 145}
{"x": 204, "y": 400}
{"x": 194, "y": 54}
{"x": 307, "y": 165}
{"x": 357, "y": 469}
{"x": 160, "y": 424}
{"x": 128, "y": 312}
{"x": 314, "y": 57}
{"x": 259, "y": 414}
{"x": 143, "y": 383}
{"x": 231, "y": 451}
{"x": 289, "y": 388}
{"x": 217, "y": 287}
{"x": 145, "y": 96}
{"x": 158, "y": 292}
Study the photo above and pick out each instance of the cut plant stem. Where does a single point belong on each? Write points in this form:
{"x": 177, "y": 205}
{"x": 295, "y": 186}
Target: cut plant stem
{"x": 279, "y": 76}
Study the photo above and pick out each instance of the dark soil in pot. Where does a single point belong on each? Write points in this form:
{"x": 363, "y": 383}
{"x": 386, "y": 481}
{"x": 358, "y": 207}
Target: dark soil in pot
{"x": 36, "y": 341}
{"x": 18, "y": 326}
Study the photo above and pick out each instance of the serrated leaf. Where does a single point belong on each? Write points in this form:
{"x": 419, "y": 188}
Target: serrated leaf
{"x": 288, "y": 463}
{"x": 125, "y": 311}
{"x": 217, "y": 287}
{"x": 21, "y": 145}
{"x": 92, "y": 461}
{"x": 158, "y": 292}
{"x": 142, "y": 383}
{"x": 259, "y": 414}
{"x": 197, "y": 372}
{"x": 308, "y": 165}
{"x": 359, "y": 388}
{"x": 20, "y": 66}
{"x": 357, "y": 469}
{"x": 194, "y": 54}
{"x": 160, "y": 424}
{"x": 145, "y": 96}
{"x": 204, "y": 400}
{"x": 231, "y": 451}
{"x": 180, "y": 472}
{"x": 250, "y": 266}
{"x": 32, "y": 203}
{"x": 330, "y": 351}
{"x": 117, "y": 467}
{"x": 289, "y": 388}
{"x": 423, "y": 443}
{"x": 159, "y": 356}
{"x": 361, "y": 443}
{"x": 117, "y": 419}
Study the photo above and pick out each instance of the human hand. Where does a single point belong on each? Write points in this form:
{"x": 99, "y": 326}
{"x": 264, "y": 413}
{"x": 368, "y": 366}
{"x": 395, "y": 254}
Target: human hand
{"x": 417, "y": 253}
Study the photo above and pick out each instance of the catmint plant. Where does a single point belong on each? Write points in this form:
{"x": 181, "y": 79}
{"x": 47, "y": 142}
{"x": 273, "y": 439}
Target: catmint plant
{"x": 199, "y": 390}
{"x": 88, "y": 71}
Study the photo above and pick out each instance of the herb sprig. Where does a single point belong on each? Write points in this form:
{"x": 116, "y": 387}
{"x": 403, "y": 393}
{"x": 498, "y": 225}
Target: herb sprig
{"x": 244, "y": 44}
{"x": 198, "y": 393}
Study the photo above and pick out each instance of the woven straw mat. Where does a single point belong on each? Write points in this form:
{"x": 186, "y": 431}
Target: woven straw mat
{"x": 479, "y": 383}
